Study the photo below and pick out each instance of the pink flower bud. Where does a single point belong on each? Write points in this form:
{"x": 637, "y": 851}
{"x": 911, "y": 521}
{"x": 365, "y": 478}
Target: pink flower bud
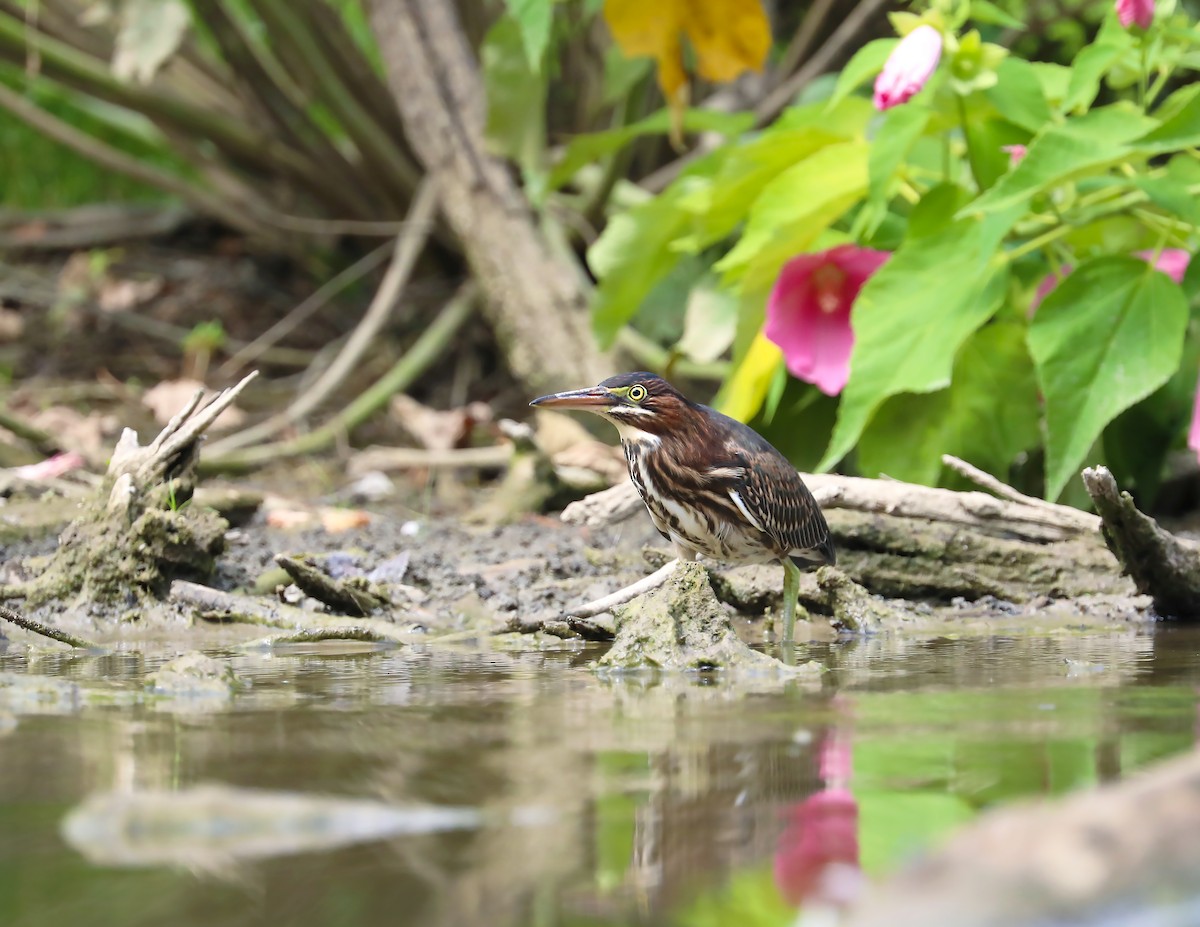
{"x": 1135, "y": 12}
{"x": 908, "y": 67}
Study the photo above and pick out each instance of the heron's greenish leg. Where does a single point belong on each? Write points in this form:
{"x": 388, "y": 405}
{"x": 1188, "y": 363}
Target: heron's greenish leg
{"x": 791, "y": 589}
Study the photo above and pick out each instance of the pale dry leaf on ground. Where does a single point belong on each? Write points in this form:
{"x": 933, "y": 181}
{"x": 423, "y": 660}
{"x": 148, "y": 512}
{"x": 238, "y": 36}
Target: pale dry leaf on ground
{"x": 289, "y": 519}
{"x": 12, "y": 325}
{"x": 569, "y": 444}
{"x": 123, "y": 295}
{"x": 435, "y": 429}
{"x": 92, "y": 434}
{"x": 336, "y": 521}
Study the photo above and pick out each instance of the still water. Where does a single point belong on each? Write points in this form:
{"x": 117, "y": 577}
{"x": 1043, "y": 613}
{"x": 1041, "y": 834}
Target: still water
{"x": 569, "y": 799}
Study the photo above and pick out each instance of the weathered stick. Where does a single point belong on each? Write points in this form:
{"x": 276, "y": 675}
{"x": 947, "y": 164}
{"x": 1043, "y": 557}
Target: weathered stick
{"x": 45, "y": 630}
{"x": 1159, "y": 564}
{"x": 632, "y": 591}
{"x": 215, "y": 605}
{"x": 1029, "y": 520}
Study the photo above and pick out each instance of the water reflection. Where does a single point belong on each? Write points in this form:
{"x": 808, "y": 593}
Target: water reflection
{"x": 670, "y": 802}
{"x": 816, "y": 863}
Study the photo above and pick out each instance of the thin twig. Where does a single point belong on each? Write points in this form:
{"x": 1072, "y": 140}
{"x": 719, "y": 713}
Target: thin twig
{"x": 42, "y": 442}
{"x": 385, "y": 459}
{"x": 1004, "y": 491}
{"x": 632, "y": 591}
{"x": 44, "y": 630}
{"x": 416, "y": 360}
{"x": 802, "y": 41}
{"x": 304, "y": 311}
{"x": 843, "y": 36}
{"x": 407, "y": 249}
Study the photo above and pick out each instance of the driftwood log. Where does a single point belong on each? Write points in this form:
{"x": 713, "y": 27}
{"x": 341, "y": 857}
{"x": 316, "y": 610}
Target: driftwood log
{"x": 915, "y": 542}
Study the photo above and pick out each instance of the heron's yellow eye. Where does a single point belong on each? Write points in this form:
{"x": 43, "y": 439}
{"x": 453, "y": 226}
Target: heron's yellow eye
{"x": 637, "y": 392}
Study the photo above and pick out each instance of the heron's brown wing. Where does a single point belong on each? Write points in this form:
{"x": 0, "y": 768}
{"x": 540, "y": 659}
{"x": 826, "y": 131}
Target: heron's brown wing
{"x": 775, "y": 495}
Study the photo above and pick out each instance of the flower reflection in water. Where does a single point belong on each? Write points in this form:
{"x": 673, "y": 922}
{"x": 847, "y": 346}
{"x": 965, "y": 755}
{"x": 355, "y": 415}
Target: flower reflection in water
{"x": 816, "y": 862}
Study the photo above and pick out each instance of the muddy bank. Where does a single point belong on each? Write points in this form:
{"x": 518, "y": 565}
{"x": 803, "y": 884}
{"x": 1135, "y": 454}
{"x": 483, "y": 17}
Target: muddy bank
{"x": 451, "y": 576}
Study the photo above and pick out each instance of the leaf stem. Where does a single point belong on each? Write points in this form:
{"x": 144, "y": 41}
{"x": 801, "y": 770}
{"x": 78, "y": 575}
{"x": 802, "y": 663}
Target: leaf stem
{"x": 1035, "y": 243}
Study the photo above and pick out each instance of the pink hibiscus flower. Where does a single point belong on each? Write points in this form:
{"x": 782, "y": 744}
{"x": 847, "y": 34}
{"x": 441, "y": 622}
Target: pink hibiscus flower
{"x": 808, "y": 313}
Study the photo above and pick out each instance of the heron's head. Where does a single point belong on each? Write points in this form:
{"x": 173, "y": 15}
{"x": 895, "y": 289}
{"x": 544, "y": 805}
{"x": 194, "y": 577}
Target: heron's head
{"x": 634, "y": 402}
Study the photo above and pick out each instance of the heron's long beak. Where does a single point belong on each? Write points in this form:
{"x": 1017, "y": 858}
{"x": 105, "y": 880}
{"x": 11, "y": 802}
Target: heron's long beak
{"x": 593, "y": 399}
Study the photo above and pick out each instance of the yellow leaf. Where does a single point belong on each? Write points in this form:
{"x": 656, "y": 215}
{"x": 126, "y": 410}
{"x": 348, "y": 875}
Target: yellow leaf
{"x": 728, "y": 37}
{"x": 744, "y": 392}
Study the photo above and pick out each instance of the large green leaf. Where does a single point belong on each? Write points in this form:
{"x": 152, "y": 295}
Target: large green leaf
{"x": 720, "y": 205}
{"x": 534, "y": 18}
{"x": 795, "y": 208}
{"x": 912, "y": 317}
{"x": 1181, "y": 130}
{"x": 750, "y": 165}
{"x": 631, "y": 257}
{"x": 584, "y": 149}
{"x": 1171, "y": 195}
{"x": 1092, "y": 63}
{"x": 900, "y": 128}
{"x": 1060, "y": 152}
{"x": 987, "y": 416}
{"x": 1018, "y": 95}
{"x": 1110, "y": 334}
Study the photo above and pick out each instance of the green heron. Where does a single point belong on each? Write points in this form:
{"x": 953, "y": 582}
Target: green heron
{"x": 713, "y": 486}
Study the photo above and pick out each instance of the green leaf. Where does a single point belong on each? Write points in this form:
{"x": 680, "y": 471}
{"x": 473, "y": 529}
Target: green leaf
{"x": 899, "y": 129}
{"x": 630, "y": 258}
{"x": 984, "y": 12}
{"x": 986, "y": 140}
{"x": 910, "y": 319}
{"x": 516, "y": 96}
{"x": 1054, "y": 78}
{"x": 1092, "y": 63}
{"x": 1170, "y": 195}
{"x": 846, "y": 118}
{"x": 710, "y": 322}
{"x": 1110, "y": 334}
{"x": 534, "y": 17}
{"x": 866, "y": 63}
{"x": 621, "y": 74}
{"x": 794, "y": 209}
{"x": 584, "y": 149}
{"x": 722, "y": 204}
{"x": 1182, "y": 130}
{"x": 1060, "y": 152}
{"x": 1018, "y": 95}
{"x": 993, "y": 383}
